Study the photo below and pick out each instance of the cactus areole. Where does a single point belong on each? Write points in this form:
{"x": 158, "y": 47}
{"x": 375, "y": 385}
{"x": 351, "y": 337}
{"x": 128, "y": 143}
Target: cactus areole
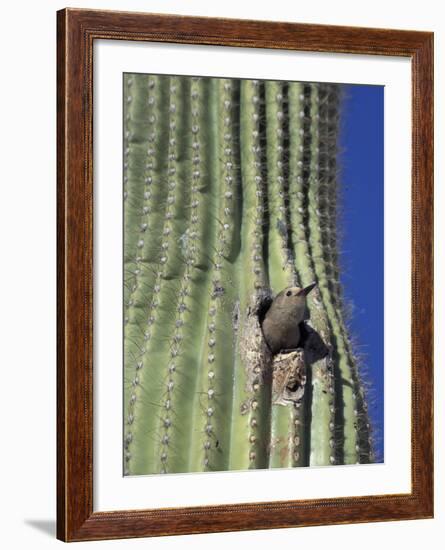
{"x": 236, "y": 352}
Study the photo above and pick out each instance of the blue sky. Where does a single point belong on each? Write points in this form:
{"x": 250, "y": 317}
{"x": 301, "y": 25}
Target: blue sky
{"x": 361, "y": 228}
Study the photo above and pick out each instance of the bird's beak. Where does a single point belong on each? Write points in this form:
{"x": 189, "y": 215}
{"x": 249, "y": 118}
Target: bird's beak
{"x": 305, "y": 291}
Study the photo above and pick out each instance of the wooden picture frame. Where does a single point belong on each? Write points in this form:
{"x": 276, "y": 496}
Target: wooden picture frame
{"x": 77, "y": 31}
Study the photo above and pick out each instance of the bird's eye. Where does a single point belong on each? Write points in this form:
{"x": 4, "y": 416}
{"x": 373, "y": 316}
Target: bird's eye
{"x": 289, "y": 293}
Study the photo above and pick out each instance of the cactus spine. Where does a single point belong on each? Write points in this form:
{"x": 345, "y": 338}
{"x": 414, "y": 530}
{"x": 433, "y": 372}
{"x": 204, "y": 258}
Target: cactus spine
{"x": 230, "y": 195}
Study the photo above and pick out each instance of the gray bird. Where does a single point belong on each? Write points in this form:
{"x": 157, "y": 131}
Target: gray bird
{"x": 281, "y": 324}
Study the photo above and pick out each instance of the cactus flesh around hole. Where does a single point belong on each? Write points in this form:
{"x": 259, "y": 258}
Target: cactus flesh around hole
{"x": 229, "y": 191}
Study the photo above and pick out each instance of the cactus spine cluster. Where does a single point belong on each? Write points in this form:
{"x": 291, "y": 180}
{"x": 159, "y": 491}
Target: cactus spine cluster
{"x": 230, "y": 193}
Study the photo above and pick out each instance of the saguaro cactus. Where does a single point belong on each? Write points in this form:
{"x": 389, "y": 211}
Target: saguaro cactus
{"x": 230, "y": 191}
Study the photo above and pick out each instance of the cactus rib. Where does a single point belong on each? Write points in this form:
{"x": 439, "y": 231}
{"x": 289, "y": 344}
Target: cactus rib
{"x": 280, "y": 262}
{"x": 251, "y": 403}
{"x": 142, "y": 207}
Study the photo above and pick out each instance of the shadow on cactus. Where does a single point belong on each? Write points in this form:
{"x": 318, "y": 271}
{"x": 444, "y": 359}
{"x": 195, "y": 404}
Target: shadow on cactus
{"x": 236, "y": 349}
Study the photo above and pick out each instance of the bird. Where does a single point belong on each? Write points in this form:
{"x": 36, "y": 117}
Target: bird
{"x": 281, "y": 323}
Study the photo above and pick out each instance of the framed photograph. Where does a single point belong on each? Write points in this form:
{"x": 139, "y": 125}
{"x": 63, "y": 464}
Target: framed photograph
{"x": 245, "y": 227}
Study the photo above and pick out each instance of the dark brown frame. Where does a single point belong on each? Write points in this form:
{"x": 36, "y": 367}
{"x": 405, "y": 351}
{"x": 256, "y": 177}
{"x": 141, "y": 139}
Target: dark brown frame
{"x": 77, "y": 30}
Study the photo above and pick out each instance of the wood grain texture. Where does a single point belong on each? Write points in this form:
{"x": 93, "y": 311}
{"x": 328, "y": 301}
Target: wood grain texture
{"x": 77, "y": 30}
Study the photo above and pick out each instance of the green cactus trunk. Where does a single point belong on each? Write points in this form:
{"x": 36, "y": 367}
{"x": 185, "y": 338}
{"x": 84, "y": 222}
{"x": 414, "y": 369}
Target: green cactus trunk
{"x": 230, "y": 193}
